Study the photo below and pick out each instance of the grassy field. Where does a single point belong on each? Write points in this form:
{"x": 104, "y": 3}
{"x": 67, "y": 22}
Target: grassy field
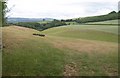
{"x": 44, "y": 22}
{"x": 95, "y": 32}
{"x": 77, "y": 50}
{"x": 72, "y": 23}
{"x": 112, "y": 22}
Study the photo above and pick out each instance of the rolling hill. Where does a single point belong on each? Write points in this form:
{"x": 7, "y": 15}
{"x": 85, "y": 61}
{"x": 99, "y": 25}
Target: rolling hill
{"x": 109, "y": 22}
{"x": 87, "y": 50}
{"x": 16, "y": 20}
{"x": 46, "y": 23}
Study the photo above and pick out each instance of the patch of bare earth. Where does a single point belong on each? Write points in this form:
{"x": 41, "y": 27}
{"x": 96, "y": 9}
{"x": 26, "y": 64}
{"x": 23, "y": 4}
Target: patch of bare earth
{"x": 70, "y": 70}
{"x": 110, "y": 71}
{"x": 86, "y": 45}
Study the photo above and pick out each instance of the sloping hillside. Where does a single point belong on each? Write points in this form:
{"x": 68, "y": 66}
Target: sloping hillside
{"x": 110, "y": 16}
{"x": 59, "y": 51}
{"x": 95, "y": 32}
{"x": 109, "y": 22}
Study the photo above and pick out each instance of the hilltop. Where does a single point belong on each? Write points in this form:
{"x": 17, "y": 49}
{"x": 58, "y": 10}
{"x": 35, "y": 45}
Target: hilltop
{"x": 110, "y": 16}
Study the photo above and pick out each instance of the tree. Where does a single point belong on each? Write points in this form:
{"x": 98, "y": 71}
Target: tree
{"x": 43, "y": 19}
{"x": 62, "y": 20}
{"x": 4, "y": 6}
{"x": 1, "y": 11}
{"x": 112, "y": 12}
{"x": 5, "y": 10}
{"x": 118, "y": 11}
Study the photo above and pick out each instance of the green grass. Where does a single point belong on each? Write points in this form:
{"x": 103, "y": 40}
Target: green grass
{"x": 32, "y": 59}
{"x": 96, "y": 32}
{"x": 110, "y": 22}
{"x": 28, "y": 55}
{"x": 72, "y": 23}
{"x": 44, "y": 22}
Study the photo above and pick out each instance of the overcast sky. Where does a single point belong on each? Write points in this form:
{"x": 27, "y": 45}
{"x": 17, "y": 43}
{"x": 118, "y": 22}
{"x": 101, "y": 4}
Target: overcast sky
{"x": 60, "y": 9}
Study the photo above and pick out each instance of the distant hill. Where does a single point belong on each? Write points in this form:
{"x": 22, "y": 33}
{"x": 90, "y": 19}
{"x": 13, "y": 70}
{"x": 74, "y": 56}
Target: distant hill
{"x": 110, "y": 16}
{"x": 43, "y": 23}
{"x": 16, "y": 20}
{"x": 81, "y": 20}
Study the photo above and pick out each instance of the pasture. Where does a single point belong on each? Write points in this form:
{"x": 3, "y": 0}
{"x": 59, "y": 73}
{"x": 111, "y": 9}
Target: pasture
{"x": 87, "y": 50}
{"x": 109, "y": 22}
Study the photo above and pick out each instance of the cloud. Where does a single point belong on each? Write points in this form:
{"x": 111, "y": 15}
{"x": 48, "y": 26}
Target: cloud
{"x": 60, "y": 8}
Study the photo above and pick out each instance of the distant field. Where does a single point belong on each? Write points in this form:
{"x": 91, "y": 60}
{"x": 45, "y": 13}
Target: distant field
{"x": 44, "y": 22}
{"x": 77, "y": 50}
{"x": 72, "y": 23}
{"x": 112, "y": 22}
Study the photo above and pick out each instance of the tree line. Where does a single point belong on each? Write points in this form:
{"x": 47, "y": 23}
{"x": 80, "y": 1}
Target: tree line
{"x": 40, "y": 27}
{"x": 110, "y": 16}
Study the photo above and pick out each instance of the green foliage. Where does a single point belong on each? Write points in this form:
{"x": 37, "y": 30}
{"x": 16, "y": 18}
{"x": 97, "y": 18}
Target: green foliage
{"x": 4, "y": 11}
{"x": 112, "y": 12}
{"x": 110, "y": 16}
{"x": 55, "y": 23}
{"x": 68, "y": 20}
{"x": 41, "y": 26}
{"x": 0, "y": 13}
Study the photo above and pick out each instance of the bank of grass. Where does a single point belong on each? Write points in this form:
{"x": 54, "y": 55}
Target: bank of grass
{"x": 97, "y": 32}
{"x": 44, "y": 22}
{"x": 110, "y": 22}
{"x": 28, "y": 55}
